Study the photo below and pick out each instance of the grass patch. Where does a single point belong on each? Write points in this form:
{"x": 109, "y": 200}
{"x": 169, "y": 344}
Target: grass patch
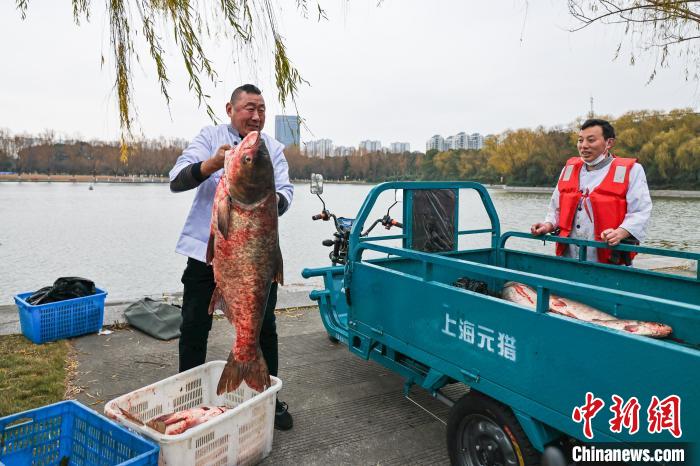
{"x": 31, "y": 375}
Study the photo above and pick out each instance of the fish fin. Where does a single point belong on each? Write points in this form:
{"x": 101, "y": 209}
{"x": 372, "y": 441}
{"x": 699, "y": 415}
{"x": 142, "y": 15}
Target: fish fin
{"x": 158, "y": 426}
{"x": 130, "y": 416}
{"x": 279, "y": 272}
{"x": 217, "y": 302}
{"x": 254, "y": 373}
{"x": 223, "y": 215}
{"x": 210, "y": 248}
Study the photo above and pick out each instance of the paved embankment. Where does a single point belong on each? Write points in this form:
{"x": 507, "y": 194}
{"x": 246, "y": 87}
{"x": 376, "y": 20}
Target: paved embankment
{"x": 346, "y": 410}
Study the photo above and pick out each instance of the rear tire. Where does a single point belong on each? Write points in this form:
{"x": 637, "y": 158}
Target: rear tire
{"x": 483, "y": 432}
{"x": 332, "y": 339}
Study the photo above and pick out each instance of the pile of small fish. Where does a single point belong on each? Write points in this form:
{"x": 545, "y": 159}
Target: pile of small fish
{"x": 179, "y": 422}
{"x": 526, "y": 296}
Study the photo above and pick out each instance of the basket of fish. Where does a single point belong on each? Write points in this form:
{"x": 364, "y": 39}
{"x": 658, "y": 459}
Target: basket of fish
{"x": 194, "y": 425}
{"x": 69, "y": 433}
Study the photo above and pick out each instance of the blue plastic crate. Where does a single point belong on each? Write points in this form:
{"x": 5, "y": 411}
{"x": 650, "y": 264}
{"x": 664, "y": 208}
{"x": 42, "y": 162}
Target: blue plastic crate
{"x": 62, "y": 319}
{"x": 71, "y": 434}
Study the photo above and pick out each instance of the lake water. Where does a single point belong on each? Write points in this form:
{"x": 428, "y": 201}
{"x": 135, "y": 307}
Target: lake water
{"x": 123, "y": 236}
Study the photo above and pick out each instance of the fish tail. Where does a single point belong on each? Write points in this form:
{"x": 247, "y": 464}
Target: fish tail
{"x": 217, "y": 301}
{"x": 254, "y": 373}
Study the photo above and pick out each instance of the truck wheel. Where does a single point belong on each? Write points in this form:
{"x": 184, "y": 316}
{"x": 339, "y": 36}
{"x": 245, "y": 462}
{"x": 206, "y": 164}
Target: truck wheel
{"x": 483, "y": 432}
{"x": 332, "y": 339}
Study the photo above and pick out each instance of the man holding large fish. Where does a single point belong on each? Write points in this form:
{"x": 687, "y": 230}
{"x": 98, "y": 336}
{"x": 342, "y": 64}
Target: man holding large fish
{"x": 599, "y": 197}
{"x": 230, "y": 238}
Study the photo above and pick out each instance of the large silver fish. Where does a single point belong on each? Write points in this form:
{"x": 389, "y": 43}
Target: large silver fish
{"x": 524, "y": 295}
{"x": 244, "y": 250}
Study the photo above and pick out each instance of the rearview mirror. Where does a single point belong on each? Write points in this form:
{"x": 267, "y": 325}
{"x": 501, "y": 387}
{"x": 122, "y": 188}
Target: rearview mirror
{"x": 316, "y": 183}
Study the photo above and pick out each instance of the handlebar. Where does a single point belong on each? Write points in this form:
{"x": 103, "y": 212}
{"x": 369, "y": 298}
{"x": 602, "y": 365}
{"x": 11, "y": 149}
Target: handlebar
{"x": 338, "y": 255}
{"x": 386, "y": 221}
{"x": 324, "y": 215}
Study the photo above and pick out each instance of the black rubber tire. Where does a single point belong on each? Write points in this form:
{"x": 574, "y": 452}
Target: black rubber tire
{"x": 474, "y": 407}
{"x": 332, "y": 339}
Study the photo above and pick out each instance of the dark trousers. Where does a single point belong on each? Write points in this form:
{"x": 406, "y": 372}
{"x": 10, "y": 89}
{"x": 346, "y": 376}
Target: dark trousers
{"x": 198, "y": 280}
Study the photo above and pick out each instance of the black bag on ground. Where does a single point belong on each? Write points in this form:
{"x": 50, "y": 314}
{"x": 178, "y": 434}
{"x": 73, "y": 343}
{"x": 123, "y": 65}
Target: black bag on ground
{"x": 155, "y": 318}
{"x": 62, "y": 289}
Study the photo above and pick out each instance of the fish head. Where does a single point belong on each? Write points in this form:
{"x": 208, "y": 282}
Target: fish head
{"x": 248, "y": 169}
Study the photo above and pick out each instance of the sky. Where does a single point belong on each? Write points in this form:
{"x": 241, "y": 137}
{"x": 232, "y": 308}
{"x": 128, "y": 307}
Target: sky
{"x": 400, "y": 71}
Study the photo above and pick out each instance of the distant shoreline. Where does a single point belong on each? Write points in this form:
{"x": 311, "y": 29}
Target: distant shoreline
{"x": 42, "y": 178}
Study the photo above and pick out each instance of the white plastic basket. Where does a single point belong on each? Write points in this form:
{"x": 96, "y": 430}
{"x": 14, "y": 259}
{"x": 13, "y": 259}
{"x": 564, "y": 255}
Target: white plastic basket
{"x": 240, "y": 436}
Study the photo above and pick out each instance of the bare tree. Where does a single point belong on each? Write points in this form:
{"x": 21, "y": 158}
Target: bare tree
{"x": 244, "y": 23}
{"x": 658, "y": 27}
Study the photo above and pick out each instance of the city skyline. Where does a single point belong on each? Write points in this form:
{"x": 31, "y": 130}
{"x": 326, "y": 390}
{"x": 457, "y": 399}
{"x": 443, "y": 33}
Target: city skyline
{"x": 461, "y": 140}
{"x": 323, "y": 148}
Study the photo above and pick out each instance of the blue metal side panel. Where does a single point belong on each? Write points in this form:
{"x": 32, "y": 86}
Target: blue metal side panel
{"x": 557, "y": 359}
{"x": 675, "y": 287}
{"x": 682, "y": 289}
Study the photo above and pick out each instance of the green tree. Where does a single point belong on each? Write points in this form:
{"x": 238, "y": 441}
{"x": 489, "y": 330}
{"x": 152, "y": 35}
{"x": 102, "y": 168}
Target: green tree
{"x": 510, "y": 153}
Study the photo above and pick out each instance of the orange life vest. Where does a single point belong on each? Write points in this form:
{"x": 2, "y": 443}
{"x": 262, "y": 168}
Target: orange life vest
{"x": 608, "y": 200}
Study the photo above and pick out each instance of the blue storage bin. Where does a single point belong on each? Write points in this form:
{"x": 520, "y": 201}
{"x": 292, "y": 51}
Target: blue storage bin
{"x": 69, "y": 433}
{"x": 62, "y": 319}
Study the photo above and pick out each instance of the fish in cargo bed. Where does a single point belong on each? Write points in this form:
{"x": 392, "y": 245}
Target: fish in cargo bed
{"x": 245, "y": 254}
{"x": 524, "y": 295}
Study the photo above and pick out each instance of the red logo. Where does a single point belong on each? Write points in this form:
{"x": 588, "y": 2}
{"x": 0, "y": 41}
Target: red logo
{"x": 587, "y": 412}
{"x": 661, "y": 415}
{"x": 626, "y": 415}
{"x": 665, "y": 415}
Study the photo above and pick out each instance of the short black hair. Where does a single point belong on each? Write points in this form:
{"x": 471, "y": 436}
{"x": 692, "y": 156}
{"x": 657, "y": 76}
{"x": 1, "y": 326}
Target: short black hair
{"x": 247, "y": 88}
{"x": 608, "y": 130}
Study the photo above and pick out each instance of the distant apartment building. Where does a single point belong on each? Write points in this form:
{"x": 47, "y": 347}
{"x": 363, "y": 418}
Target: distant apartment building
{"x": 436, "y": 142}
{"x": 476, "y": 141}
{"x": 287, "y": 129}
{"x": 461, "y": 141}
{"x": 344, "y": 151}
{"x": 368, "y": 146}
{"x": 399, "y": 147}
{"x": 322, "y": 148}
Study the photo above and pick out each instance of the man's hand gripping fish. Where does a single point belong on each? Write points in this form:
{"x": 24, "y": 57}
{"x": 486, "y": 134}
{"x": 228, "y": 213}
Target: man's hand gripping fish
{"x": 244, "y": 250}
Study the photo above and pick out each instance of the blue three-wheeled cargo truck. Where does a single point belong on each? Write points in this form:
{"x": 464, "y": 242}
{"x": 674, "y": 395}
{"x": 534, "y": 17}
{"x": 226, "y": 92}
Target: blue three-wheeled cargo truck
{"x": 537, "y": 381}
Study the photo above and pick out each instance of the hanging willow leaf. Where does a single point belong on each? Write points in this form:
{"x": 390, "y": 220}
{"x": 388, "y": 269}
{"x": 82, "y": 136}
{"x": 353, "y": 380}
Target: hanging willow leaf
{"x": 242, "y": 21}
{"x": 651, "y": 26}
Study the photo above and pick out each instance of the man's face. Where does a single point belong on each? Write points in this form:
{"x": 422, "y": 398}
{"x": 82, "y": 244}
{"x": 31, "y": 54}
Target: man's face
{"x": 592, "y": 143}
{"x": 247, "y": 113}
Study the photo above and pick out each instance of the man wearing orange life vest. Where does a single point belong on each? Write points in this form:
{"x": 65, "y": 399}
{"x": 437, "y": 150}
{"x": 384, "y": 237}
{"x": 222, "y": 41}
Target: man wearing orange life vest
{"x": 599, "y": 197}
